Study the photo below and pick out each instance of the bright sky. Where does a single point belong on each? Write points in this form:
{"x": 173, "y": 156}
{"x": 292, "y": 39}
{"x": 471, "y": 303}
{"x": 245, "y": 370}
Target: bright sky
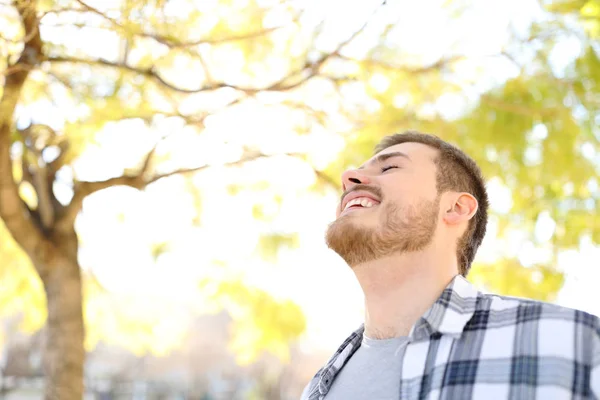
{"x": 118, "y": 226}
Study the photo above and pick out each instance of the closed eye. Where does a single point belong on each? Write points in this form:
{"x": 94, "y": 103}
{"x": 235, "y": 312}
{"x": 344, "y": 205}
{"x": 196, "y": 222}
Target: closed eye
{"x": 388, "y": 167}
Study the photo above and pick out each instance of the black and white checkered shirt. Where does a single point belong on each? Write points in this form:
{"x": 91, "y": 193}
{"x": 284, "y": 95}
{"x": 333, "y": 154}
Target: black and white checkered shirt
{"x": 471, "y": 345}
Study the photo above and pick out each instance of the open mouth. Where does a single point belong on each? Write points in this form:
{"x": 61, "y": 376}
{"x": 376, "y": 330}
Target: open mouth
{"x": 360, "y": 202}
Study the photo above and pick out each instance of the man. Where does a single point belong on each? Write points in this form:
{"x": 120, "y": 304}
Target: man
{"x": 409, "y": 224}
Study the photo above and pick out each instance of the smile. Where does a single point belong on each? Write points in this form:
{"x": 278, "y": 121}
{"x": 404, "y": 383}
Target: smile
{"x": 360, "y": 202}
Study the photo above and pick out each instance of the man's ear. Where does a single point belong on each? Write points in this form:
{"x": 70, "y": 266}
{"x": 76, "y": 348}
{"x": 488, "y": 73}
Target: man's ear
{"x": 463, "y": 207}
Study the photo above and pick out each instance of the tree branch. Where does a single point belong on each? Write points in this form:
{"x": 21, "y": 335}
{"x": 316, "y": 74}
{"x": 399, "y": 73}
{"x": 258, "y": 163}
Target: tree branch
{"x": 311, "y": 69}
{"x": 87, "y": 7}
{"x": 153, "y": 74}
{"x": 13, "y": 211}
{"x": 38, "y": 177}
{"x": 175, "y": 44}
{"x": 44, "y": 193}
{"x": 147, "y": 72}
{"x": 148, "y": 161}
{"x": 60, "y": 10}
{"x": 441, "y": 63}
{"x": 13, "y": 69}
{"x": 83, "y": 189}
{"x": 172, "y": 43}
{"x": 59, "y": 162}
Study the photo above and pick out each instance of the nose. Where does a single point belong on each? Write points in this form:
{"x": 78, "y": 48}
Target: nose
{"x": 354, "y": 177}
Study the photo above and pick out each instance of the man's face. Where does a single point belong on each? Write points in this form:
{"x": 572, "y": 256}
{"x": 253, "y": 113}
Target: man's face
{"x": 390, "y": 205}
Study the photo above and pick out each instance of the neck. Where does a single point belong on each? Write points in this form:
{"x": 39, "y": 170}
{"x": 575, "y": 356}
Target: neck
{"x": 399, "y": 289}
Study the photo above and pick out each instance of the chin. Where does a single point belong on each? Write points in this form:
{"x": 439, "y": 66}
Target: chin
{"x": 348, "y": 224}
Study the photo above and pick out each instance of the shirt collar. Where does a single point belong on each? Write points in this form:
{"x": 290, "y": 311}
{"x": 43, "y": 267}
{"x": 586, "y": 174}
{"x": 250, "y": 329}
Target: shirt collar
{"x": 448, "y": 315}
{"x": 450, "y": 312}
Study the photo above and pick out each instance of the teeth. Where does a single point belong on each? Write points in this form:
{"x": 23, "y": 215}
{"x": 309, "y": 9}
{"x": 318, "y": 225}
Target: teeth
{"x": 363, "y": 201}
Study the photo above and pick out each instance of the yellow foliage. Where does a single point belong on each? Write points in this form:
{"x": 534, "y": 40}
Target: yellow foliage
{"x": 141, "y": 325}
{"x": 270, "y": 244}
{"x": 509, "y": 277}
{"x": 261, "y": 323}
{"x": 21, "y": 290}
{"x": 591, "y": 9}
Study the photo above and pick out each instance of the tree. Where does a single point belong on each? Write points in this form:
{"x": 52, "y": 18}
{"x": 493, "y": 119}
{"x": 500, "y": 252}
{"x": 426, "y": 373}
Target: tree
{"x": 130, "y": 85}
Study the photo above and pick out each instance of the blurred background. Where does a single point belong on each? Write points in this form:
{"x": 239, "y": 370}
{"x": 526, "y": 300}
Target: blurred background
{"x": 184, "y": 157}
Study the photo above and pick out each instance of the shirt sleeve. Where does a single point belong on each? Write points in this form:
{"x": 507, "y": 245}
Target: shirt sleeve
{"x": 305, "y": 392}
{"x": 595, "y": 372}
{"x": 310, "y": 387}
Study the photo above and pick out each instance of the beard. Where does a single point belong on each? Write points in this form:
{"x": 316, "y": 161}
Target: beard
{"x": 401, "y": 230}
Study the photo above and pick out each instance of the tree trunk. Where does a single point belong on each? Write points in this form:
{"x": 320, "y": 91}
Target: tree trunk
{"x": 64, "y": 354}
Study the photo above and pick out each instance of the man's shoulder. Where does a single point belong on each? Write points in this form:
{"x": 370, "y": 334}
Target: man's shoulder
{"x": 522, "y": 310}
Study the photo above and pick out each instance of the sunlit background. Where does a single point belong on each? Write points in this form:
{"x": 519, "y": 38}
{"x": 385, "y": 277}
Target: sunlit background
{"x": 212, "y": 280}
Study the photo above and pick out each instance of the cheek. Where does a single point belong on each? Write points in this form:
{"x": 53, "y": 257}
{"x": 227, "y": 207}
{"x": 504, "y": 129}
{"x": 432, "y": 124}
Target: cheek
{"x": 413, "y": 193}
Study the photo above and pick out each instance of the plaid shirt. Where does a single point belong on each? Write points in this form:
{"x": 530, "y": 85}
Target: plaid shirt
{"x": 471, "y": 345}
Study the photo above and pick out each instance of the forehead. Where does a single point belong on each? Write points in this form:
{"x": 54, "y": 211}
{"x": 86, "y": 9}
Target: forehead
{"x": 418, "y": 153}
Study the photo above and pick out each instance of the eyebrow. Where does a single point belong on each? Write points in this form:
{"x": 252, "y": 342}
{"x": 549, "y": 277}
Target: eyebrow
{"x": 381, "y": 158}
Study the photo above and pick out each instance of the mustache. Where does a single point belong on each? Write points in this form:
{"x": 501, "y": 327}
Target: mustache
{"x": 365, "y": 188}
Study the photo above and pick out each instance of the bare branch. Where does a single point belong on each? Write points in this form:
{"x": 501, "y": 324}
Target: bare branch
{"x": 312, "y": 69}
{"x": 100, "y": 13}
{"x": 59, "y": 162}
{"x": 512, "y": 59}
{"x": 44, "y": 193}
{"x": 153, "y": 74}
{"x": 83, "y": 189}
{"x": 207, "y": 73}
{"x": 38, "y": 177}
{"x": 59, "y": 11}
{"x": 440, "y": 64}
{"x": 17, "y": 68}
{"x": 317, "y": 115}
{"x": 149, "y": 73}
{"x": 251, "y": 156}
{"x": 148, "y": 161}
{"x": 173, "y": 43}
{"x": 63, "y": 81}
{"x": 66, "y": 219}
{"x": 34, "y": 34}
